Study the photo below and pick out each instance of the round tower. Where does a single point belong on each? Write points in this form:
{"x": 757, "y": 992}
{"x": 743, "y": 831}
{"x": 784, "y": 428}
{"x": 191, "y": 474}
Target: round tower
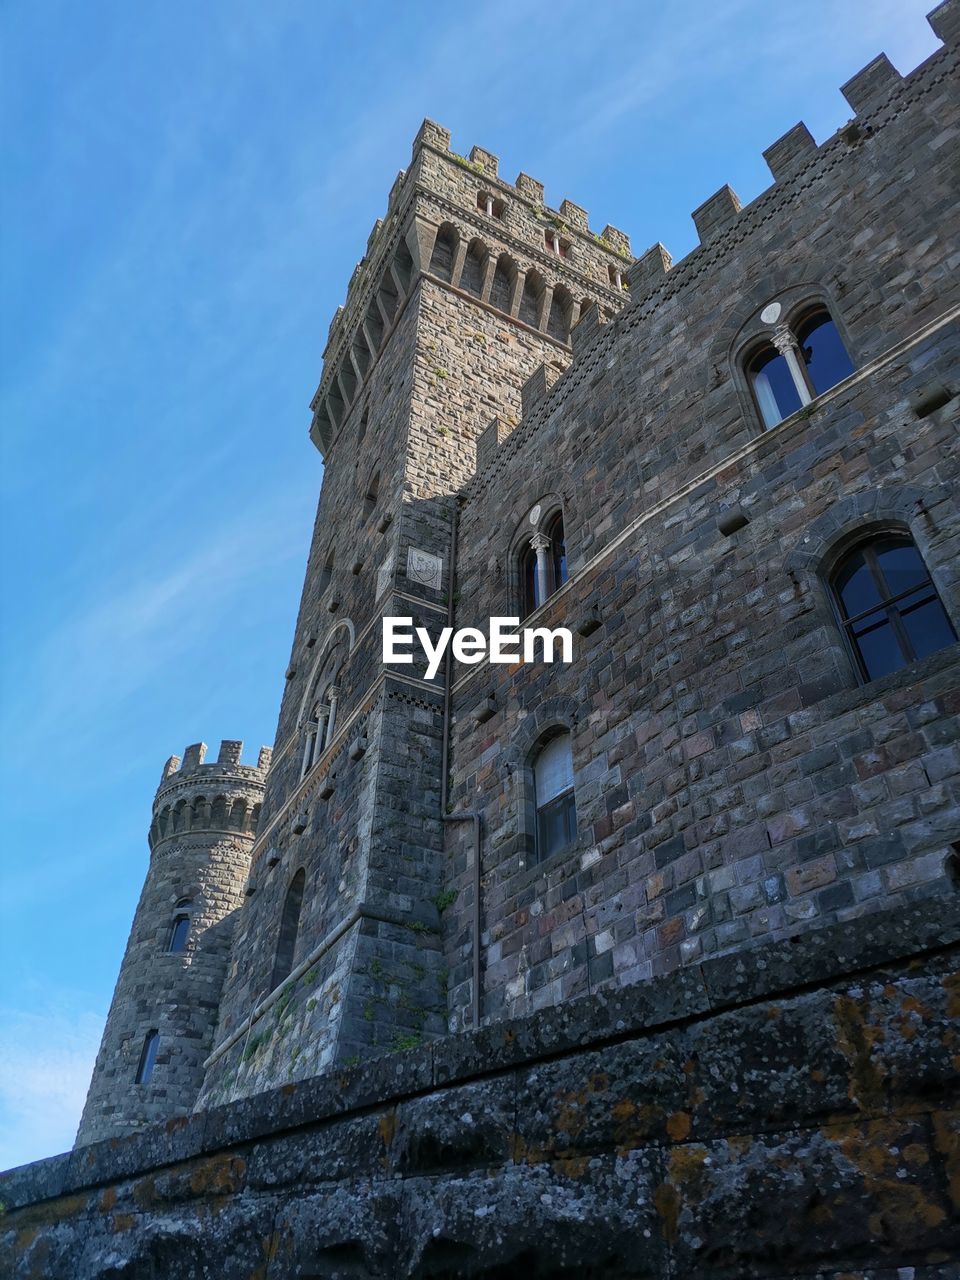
{"x": 164, "y": 1010}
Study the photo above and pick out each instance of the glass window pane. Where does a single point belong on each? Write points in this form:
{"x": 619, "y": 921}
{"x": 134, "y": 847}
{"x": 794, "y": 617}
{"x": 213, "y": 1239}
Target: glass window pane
{"x": 927, "y": 625}
{"x": 558, "y": 551}
{"x": 148, "y": 1057}
{"x": 553, "y": 769}
{"x": 774, "y": 387}
{"x": 823, "y": 352}
{"x": 900, "y": 564}
{"x": 878, "y": 648}
{"x": 570, "y": 816}
{"x": 556, "y": 826}
{"x": 178, "y": 938}
{"x": 855, "y": 586}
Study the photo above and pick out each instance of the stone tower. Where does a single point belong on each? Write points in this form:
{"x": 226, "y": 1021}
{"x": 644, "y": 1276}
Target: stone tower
{"x": 468, "y": 291}
{"x": 159, "y": 1029}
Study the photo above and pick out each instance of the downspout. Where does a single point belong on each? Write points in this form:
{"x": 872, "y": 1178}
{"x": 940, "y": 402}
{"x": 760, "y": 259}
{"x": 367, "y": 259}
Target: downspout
{"x": 465, "y": 815}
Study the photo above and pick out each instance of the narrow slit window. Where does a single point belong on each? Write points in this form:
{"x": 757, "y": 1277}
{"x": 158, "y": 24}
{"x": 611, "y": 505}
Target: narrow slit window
{"x": 148, "y": 1057}
{"x": 179, "y": 932}
{"x": 289, "y": 929}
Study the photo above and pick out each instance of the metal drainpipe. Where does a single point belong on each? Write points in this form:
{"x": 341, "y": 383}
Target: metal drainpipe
{"x": 470, "y": 815}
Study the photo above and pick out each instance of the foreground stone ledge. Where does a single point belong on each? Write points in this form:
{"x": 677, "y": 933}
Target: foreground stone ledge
{"x": 757, "y": 1115}
{"x": 802, "y": 960}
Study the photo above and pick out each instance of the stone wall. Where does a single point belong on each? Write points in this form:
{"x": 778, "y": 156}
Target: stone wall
{"x": 733, "y": 777}
{"x": 415, "y": 368}
{"x": 205, "y": 817}
{"x": 783, "y": 1113}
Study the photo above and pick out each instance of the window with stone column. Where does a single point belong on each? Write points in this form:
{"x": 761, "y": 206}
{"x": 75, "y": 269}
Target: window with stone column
{"x": 319, "y": 727}
{"x": 542, "y": 562}
{"x": 794, "y": 360}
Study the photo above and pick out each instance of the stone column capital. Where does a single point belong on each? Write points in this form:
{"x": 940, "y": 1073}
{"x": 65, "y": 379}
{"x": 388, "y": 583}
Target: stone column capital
{"x": 783, "y": 339}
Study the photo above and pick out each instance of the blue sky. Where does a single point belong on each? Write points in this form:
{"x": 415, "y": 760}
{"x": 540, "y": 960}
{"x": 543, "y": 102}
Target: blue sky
{"x": 186, "y": 189}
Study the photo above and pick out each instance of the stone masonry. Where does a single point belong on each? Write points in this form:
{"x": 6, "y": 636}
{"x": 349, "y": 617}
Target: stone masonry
{"x": 739, "y": 787}
{"x": 204, "y": 819}
{"x": 753, "y": 1115}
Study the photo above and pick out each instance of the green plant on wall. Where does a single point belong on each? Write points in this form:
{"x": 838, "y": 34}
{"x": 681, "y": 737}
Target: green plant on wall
{"x": 445, "y": 899}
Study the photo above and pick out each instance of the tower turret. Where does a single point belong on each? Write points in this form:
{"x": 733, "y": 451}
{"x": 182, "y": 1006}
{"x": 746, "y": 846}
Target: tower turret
{"x": 161, "y": 1020}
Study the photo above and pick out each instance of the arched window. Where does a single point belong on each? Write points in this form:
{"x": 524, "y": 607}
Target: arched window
{"x": 530, "y": 299}
{"x": 561, "y": 307}
{"x": 773, "y": 385}
{"x": 825, "y": 358}
{"x": 471, "y": 278}
{"x": 558, "y": 553}
{"x": 555, "y": 803}
{"x": 888, "y": 605}
{"x": 319, "y": 727}
{"x": 371, "y": 496}
{"x": 148, "y": 1057}
{"x": 543, "y": 564}
{"x": 797, "y": 362}
{"x": 501, "y": 290}
{"x": 326, "y": 574}
{"x": 489, "y": 204}
{"x": 444, "y": 253}
{"x": 289, "y": 928}
{"x": 179, "y": 931}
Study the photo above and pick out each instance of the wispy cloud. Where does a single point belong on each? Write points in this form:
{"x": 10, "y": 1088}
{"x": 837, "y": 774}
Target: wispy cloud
{"x": 46, "y": 1059}
{"x": 141, "y": 621}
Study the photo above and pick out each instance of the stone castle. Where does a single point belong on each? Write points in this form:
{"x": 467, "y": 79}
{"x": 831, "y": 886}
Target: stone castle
{"x": 493, "y": 938}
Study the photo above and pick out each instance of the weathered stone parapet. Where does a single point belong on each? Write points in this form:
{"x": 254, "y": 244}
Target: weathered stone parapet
{"x": 780, "y": 1112}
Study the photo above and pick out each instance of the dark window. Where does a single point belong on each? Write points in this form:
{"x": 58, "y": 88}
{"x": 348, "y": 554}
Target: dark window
{"x": 148, "y": 1057}
{"x": 501, "y": 290}
{"x": 444, "y": 252}
{"x": 471, "y": 278}
{"x": 289, "y": 928}
{"x": 889, "y": 607}
{"x": 556, "y": 806}
{"x": 558, "y": 554}
{"x": 773, "y": 385}
{"x": 370, "y": 499}
{"x": 489, "y": 205}
{"x": 179, "y": 932}
{"x": 824, "y": 355}
{"x": 326, "y": 574}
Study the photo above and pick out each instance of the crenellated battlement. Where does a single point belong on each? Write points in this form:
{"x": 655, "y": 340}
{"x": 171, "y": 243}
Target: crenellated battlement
{"x": 869, "y": 94}
{"x": 573, "y": 218}
{"x": 194, "y": 767}
{"x": 461, "y": 199}
{"x": 444, "y": 209}
{"x": 721, "y": 221}
{"x": 224, "y": 795}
